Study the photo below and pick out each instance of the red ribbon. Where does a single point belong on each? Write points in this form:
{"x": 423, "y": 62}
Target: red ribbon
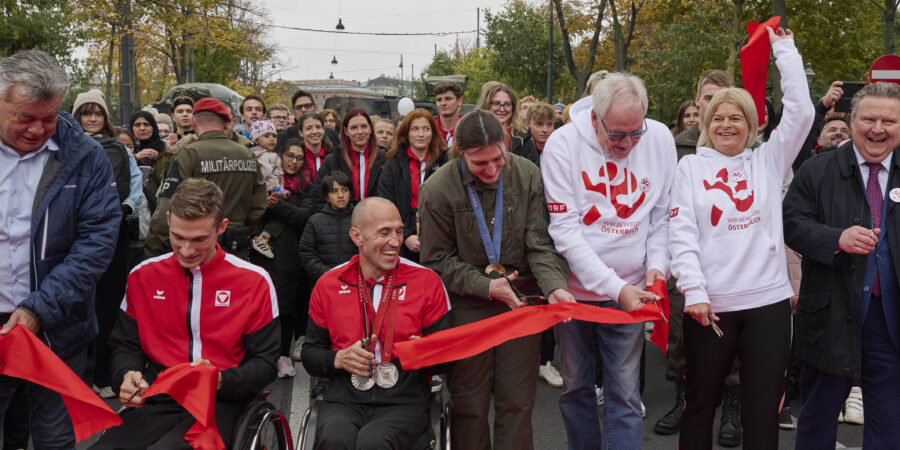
{"x": 194, "y": 388}
{"x": 755, "y": 63}
{"x": 23, "y": 356}
{"x": 473, "y": 338}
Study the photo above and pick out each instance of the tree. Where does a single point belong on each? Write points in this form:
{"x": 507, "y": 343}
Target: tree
{"x": 518, "y": 35}
{"x": 888, "y": 13}
{"x": 622, "y": 40}
{"x": 580, "y": 75}
{"x": 38, "y": 24}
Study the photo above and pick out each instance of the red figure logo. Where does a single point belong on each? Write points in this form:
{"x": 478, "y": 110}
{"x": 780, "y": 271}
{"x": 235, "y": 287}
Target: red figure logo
{"x": 736, "y": 190}
{"x": 628, "y": 185}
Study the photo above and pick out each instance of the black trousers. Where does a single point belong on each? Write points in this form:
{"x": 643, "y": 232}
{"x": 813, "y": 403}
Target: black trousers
{"x": 761, "y": 339}
{"x": 161, "y": 424}
{"x": 348, "y": 427}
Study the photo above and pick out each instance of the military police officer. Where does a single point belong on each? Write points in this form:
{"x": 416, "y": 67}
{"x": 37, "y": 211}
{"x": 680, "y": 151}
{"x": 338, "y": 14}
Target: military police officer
{"x": 230, "y": 165}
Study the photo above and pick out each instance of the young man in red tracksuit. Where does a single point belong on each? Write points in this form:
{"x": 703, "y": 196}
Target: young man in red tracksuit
{"x": 371, "y": 401}
{"x": 197, "y": 304}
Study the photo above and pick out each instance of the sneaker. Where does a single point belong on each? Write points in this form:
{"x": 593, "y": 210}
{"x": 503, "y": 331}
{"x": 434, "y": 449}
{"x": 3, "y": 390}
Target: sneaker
{"x": 285, "y": 367}
{"x": 436, "y": 383}
{"x": 598, "y": 391}
{"x": 107, "y": 393}
{"x": 853, "y": 412}
{"x": 261, "y": 245}
{"x": 841, "y": 416}
{"x": 550, "y": 375}
{"x": 643, "y": 410}
{"x": 785, "y": 421}
{"x": 298, "y": 347}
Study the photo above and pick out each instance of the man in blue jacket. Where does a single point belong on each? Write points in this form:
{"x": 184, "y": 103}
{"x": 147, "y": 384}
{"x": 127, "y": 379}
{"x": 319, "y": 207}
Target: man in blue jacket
{"x": 60, "y": 217}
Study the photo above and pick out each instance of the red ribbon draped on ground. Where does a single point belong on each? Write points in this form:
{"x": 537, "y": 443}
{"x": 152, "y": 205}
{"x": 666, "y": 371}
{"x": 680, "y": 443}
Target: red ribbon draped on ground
{"x": 473, "y": 338}
{"x": 755, "y": 63}
{"x": 23, "y": 356}
{"x": 194, "y": 388}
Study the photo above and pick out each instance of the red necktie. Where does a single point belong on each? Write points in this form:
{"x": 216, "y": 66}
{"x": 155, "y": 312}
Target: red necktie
{"x": 876, "y": 201}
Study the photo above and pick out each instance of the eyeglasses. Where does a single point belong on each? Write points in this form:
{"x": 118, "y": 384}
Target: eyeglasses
{"x": 279, "y": 117}
{"x": 293, "y": 157}
{"x": 501, "y": 105}
{"x": 304, "y": 106}
{"x": 616, "y": 137}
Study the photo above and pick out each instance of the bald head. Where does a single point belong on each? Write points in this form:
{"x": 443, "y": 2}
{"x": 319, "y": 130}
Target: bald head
{"x": 369, "y": 209}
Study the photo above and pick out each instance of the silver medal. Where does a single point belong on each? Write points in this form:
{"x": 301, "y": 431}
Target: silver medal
{"x": 362, "y": 383}
{"x": 386, "y": 375}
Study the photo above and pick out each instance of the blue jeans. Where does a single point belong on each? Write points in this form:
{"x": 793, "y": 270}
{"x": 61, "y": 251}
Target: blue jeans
{"x": 620, "y": 350}
{"x": 51, "y": 427}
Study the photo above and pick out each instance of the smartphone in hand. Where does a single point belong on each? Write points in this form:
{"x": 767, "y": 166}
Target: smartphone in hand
{"x": 850, "y": 89}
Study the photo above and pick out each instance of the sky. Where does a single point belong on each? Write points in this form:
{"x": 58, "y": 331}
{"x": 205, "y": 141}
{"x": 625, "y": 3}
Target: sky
{"x": 308, "y": 55}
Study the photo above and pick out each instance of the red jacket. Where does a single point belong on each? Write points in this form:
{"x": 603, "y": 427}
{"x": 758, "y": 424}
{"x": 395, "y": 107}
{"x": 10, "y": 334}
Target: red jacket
{"x": 223, "y": 311}
{"x": 336, "y": 322}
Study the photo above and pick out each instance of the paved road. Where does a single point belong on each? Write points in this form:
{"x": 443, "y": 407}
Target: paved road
{"x": 291, "y": 395}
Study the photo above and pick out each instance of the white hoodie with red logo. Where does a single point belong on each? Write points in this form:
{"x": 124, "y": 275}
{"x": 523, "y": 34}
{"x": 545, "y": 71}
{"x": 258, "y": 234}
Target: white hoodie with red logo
{"x": 725, "y": 233}
{"x": 608, "y": 216}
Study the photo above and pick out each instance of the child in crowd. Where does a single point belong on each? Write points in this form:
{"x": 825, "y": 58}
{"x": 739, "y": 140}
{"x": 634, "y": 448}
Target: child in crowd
{"x": 326, "y": 239}
{"x": 263, "y": 134}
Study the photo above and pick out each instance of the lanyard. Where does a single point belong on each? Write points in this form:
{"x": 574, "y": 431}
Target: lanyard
{"x": 390, "y": 309}
{"x": 361, "y": 171}
{"x": 491, "y": 243}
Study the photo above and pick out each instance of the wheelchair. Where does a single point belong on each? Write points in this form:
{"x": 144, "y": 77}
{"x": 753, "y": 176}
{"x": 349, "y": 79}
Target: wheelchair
{"x": 260, "y": 426}
{"x": 435, "y": 437}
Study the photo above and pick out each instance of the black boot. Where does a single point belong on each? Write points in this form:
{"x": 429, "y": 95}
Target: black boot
{"x": 730, "y": 429}
{"x": 671, "y": 422}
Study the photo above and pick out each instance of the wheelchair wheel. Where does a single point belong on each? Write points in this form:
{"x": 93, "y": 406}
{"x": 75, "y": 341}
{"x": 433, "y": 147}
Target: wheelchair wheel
{"x": 262, "y": 427}
{"x": 445, "y": 427}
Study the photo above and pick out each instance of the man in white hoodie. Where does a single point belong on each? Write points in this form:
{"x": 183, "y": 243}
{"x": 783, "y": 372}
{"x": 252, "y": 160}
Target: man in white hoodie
{"x": 607, "y": 177}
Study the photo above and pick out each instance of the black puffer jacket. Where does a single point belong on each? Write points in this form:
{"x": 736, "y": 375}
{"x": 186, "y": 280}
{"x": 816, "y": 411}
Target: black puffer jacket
{"x": 333, "y": 162}
{"x": 517, "y": 147}
{"x": 395, "y": 184}
{"x": 326, "y": 241}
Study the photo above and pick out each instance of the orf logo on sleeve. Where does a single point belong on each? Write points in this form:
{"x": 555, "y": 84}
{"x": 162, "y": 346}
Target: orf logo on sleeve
{"x": 223, "y": 298}
{"x": 557, "y": 207}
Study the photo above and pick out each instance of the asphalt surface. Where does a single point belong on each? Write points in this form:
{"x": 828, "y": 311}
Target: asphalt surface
{"x": 292, "y": 396}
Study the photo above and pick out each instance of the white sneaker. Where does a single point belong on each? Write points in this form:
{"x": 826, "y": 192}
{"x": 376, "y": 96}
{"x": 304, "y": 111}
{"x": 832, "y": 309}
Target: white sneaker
{"x": 285, "y": 367}
{"x": 643, "y": 410}
{"x": 854, "y": 407}
{"x": 298, "y": 348}
{"x": 550, "y": 375}
{"x": 107, "y": 393}
{"x": 261, "y": 245}
{"x": 598, "y": 391}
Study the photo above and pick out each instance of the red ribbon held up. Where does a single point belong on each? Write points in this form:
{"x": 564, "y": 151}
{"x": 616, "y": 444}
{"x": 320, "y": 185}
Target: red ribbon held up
{"x": 23, "y": 356}
{"x": 194, "y": 388}
{"x": 473, "y": 338}
{"x": 755, "y": 63}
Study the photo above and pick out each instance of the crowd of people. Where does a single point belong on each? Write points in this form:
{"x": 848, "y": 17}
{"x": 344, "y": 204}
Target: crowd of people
{"x": 296, "y": 235}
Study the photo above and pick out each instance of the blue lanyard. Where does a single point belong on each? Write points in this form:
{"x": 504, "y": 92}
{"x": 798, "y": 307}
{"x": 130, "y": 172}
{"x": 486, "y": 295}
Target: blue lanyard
{"x": 491, "y": 244}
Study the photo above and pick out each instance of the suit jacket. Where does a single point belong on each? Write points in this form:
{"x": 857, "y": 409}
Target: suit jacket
{"x": 827, "y": 197}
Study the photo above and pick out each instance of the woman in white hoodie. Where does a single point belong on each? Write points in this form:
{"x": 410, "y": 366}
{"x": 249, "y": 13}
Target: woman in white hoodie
{"x": 726, "y": 244}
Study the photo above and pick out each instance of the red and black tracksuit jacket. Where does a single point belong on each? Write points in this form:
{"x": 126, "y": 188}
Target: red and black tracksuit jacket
{"x": 336, "y": 322}
{"x": 223, "y": 311}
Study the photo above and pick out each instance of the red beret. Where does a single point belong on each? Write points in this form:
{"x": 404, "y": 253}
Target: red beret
{"x": 212, "y": 105}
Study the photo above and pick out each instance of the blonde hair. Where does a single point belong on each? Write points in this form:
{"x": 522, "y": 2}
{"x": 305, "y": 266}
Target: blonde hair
{"x": 489, "y": 90}
{"x": 541, "y": 111}
{"x": 743, "y": 101}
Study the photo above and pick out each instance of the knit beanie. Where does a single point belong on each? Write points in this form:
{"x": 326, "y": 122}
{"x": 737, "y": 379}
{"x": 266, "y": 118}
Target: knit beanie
{"x": 261, "y": 127}
{"x": 91, "y": 96}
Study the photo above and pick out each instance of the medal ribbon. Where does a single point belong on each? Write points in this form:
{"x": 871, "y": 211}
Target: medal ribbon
{"x": 491, "y": 244}
{"x": 389, "y": 309}
{"x": 471, "y": 339}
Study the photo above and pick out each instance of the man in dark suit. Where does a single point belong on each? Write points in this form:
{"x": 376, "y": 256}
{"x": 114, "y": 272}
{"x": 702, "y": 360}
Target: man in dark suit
{"x": 841, "y": 215}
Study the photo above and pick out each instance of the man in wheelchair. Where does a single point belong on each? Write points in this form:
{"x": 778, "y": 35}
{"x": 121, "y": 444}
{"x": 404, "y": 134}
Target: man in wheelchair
{"x": 371, "y": 402}
{"x": 197, "y": 304}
